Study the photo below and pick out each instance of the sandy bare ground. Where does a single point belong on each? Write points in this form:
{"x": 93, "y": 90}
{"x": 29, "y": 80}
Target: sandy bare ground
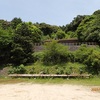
{"x": 28, "y": 91}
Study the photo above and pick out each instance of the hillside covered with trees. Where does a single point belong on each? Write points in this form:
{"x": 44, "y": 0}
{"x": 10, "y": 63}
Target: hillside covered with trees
{"x": 17, "y": 39}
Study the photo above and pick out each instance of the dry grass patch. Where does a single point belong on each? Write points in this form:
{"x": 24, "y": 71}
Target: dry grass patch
{"x": 95, "y": 89}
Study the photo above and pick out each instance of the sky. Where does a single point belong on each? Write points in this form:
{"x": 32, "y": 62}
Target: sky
{"x": 54, "y": 12}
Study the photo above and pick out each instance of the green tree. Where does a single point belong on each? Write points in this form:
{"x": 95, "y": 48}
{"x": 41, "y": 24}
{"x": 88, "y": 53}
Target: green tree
{"x": 97, "y": 12}
{"x": 26, "y": 35}
{"x": 15, "y": 21}
{"x": 5, "y": 46}
{"x": 60, "y": 34}
{"x": 5, "y": 25}
{"x": 55, "y": 53}
{"x": 90, "y": 57}
{"x": 93, "y": 62}
{"x": 29, "y": 30}
{"x": 74, "y": 24}
{"x": 47, "y": 29}
{"x": 89, "y": 28}
{"x": 82, "y": 53}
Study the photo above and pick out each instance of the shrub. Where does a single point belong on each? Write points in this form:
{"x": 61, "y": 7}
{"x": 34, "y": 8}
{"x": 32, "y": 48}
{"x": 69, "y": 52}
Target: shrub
{"x": 18, "y": 70}
{"x": 55, "y": 53}
{"x": 93, "y": 62}
{"x": 38, "y": 56}
{"x": 90, "y": 57}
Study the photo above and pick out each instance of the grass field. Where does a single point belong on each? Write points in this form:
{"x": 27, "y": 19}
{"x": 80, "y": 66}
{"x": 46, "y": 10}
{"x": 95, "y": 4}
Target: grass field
{"x": 78, "y": 81}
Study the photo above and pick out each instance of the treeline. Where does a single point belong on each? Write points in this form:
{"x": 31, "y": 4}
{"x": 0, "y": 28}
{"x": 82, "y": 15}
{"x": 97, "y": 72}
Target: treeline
{"x": 17, "y": 38}
{"x": 85, "y": 28}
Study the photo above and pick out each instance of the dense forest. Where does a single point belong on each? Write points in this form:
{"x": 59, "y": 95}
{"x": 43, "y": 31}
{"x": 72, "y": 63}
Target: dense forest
{"x": 17, "y": 39}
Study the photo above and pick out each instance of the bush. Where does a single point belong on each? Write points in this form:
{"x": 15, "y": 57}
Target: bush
{"x": 60, "y": 34}
{"x": 93, "y": 62}
{"x": 18, "y": 70}
{"x": 82, "y": 54}
{"x": 55, "y": 53}
{"x": 90, "y": 57}
{"x": 38, "y": 56}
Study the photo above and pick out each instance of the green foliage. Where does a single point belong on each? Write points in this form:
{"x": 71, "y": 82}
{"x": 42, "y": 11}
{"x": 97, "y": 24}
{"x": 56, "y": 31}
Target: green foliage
{"x": 18, "y": 70}
{"x": 60, "y": 34}
{"x": 71, "y": 34}
{"x": 55, "y": 53}
{"x": 38, "y": 56}
{"x": 89, "y": 29}
{"x": 5, "y": 46}
{"x": 17, "y": 40}
{"x": 15, "y": 21}
{"x": 73, "y": 68}
{"x": 18, "y": 55}
{"x": 25, "y": 36}
{"x": 96, "y": 12}
{"x": 29, "y": 30}
{"x": 74, "y": 24}
{"x": 84, "y": 60}
{"x": 93, "y": 62}
{"x": 35, "y": 32}
{"x": 90, "y": 57}
{"x": 82, "y": 53}
{"x": 65, "y": 68}
{"x": 22, "y": 50}
{"x": 47, "y": 29}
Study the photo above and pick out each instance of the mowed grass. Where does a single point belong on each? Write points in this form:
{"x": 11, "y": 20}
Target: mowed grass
{"x": 78, "y": 81}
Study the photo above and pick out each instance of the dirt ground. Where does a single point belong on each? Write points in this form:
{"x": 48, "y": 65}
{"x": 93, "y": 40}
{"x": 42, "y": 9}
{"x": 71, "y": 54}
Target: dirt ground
{"x": 28, "y": 91}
